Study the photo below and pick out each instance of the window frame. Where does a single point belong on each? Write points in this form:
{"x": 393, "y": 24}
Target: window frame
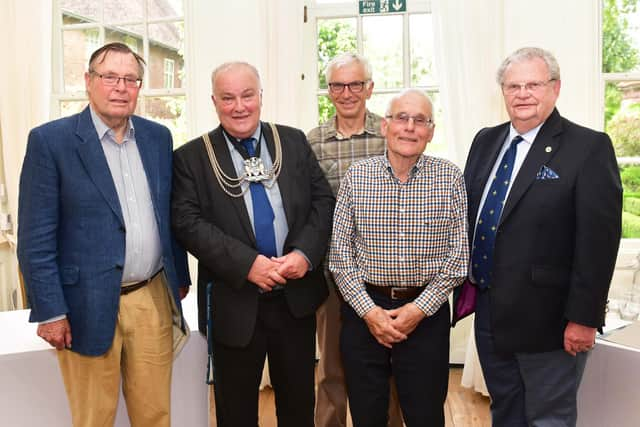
{"x": 59, "y": 95}
{"x": 350, "y": 9}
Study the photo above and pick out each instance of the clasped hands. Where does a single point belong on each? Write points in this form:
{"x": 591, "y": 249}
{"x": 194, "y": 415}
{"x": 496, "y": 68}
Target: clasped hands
{"x": 393, "y": 326}
{"x": 269, "y": 272}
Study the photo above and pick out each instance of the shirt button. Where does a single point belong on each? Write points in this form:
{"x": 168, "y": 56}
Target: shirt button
{"x": 401, "y": 210}
{"x": 401, "y": 259}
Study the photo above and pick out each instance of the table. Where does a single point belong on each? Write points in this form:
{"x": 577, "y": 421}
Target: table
{"x": 32, "y": 392}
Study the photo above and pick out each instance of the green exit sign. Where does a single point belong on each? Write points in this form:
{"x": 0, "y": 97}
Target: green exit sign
{"x": 382, "y": 6}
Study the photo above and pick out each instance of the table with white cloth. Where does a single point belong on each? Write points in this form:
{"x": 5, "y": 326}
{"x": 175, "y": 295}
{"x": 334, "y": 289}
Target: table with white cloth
{"x": 609, "y": 394}
{"x": 32, "y": 391}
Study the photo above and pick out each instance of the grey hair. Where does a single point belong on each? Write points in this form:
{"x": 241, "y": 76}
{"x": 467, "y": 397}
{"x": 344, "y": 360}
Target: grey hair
{"x": 233, "y": 64}
{"x": 345, "y": 59}
{"x": 418, "y": 92}
{"x": 526, "y": 54}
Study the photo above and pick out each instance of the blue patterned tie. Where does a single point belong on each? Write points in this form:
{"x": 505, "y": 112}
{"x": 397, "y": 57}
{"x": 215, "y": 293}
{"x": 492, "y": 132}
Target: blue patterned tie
{"x": 262, "y": 212}
{"x": 485, "y": 236}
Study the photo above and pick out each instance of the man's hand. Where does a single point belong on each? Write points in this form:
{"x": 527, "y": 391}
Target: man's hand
{"x": 406, "y": 318}
{"x": 57, "y": 333}
{"x": 381, "y": 327}
{"x": 292, "y": 265}
{"x": 264, "y": 273}
{"x": 183, "y": 291}
{"x": 578, "y": 338}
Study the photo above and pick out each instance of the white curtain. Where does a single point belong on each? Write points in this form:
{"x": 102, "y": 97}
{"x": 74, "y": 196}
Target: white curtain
{"x": 25, "y": 90}
{"x": 280, "y": 60}
{"x": 469, "y": 49}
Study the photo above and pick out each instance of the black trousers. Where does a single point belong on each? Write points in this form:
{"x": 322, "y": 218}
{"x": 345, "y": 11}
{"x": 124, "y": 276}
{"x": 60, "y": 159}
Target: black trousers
{"x": 290, "y": 345}
{"x": 420, "y": 366}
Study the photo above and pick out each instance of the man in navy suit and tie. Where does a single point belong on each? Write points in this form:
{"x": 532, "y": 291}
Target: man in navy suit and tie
{"x": 103, "y": 274}
{"x": 545, "y": 202}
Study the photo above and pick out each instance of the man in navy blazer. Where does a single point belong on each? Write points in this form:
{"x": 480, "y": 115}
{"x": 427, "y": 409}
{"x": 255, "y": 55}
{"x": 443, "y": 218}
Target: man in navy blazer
{"x": 103, "y": 274}
{"x": 542, "y": 295}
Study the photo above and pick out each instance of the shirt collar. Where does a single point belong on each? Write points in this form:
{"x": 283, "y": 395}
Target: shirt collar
{"x": 420, "y": 164}
{"x": 371, "y": 126}
{"x": 527, "y": 137}
{"x": 256, "y": 135}
{"x": 102, "y": 129}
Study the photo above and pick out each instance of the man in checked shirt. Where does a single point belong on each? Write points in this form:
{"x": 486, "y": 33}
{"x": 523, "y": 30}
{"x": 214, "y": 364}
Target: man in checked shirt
{"x": 353, "y": 133}
{"x": 399, "y": 247}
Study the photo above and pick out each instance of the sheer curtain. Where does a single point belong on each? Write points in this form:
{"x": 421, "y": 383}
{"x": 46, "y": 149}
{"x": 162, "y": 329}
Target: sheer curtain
{"x": 25, "y": 90}
{"x": 469, "y": 48}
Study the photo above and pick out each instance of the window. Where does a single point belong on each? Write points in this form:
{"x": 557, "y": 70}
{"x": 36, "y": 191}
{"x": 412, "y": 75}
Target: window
{"x": 621, "y": 80}
{"x": 168, "y": 73}
{"x": 152, "y": 28}
{"x": 399, "y": 47}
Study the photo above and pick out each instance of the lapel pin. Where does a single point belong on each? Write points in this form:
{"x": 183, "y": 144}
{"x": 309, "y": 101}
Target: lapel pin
{"x": 548, "y": 149}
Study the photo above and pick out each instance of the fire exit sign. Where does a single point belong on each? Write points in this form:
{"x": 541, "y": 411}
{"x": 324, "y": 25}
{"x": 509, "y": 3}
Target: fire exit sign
{"x": 382, "y": 6}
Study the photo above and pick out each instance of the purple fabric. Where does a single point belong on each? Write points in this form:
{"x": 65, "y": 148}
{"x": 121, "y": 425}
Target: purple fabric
{"x": 466, "y": 302}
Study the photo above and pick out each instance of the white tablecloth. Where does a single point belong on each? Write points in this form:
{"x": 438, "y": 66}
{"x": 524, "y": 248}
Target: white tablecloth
{"x": 32, "y": 392}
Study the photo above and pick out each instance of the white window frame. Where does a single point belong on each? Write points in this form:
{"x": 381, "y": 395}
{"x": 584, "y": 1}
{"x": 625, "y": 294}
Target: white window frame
{"x": 169, "y": 70}
{"x": 350, "y": 9}
{"x": 59, "y": 95}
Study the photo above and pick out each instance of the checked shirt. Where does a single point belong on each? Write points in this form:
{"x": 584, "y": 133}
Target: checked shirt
{"x": 389, "y": 233}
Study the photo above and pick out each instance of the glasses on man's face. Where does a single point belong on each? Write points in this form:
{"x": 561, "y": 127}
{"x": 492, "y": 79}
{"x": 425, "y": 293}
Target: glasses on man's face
{"x": 114, "y": 80}
{"x": 531, "y": 87}
{"x": 354, "y": 87}
{"x": 420, "y": 121}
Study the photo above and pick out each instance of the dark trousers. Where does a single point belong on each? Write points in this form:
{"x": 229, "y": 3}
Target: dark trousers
{"x": 420, "y": 366}
{"x": 527, "y": 389}
{"x": 290, "y": 345}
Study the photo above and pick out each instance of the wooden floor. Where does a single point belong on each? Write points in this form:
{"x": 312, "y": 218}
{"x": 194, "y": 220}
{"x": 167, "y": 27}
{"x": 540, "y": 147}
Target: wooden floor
{"x": 463, "y": 408}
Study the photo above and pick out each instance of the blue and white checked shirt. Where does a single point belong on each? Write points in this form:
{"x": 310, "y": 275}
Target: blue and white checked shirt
{"x": 389, "y": 233}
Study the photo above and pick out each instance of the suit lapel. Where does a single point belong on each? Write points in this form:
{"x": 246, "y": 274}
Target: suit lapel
{"x": 486, "y": 164}
{"x": 221, "y": 150}
{"x": 543, "y": 149}
{"x": 92, "y": 156}
{"x": 150, "y": 157}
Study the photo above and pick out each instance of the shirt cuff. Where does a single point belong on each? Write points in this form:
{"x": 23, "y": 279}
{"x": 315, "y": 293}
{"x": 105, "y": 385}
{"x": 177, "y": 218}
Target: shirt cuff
{"x": 53, "y": 319}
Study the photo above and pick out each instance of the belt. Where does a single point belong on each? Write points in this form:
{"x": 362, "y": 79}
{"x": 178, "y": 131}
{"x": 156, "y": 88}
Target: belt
{"x": 124, "y": 290}
{"x": 396, "y": 292}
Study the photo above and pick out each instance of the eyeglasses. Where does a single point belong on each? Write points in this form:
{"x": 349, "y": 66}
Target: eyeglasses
{"x": 531, "y": 87}
{"x": 114, "y": 80}
{"x": 420, "y": 121}
{"x": 354, "y": 87}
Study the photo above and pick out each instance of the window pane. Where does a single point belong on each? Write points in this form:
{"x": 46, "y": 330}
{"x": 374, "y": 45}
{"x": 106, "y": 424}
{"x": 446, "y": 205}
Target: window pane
{"x": 166, "y": 43}
{"x": 620, "y": 37}
{"x": 77, "y": 50}
{"x": 335, "y": 36}
{"x": 622, "y": 117}
{"x": 123, "y": 10}
{"x": 325, "y": 109}
{"x": 131, "y": 35}
{"x": 423, "y": 71}
{"x": 169, "y": 110}
{"x": 378, "y": 103}
{"x": 68, "y": 108}
{"x": 76, "y": 11}
{"x": 164, "y": 8}
{"x": 382, "y": 45}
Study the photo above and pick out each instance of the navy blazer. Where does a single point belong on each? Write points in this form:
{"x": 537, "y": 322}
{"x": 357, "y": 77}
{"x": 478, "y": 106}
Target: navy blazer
{"x": 558, "y": 238}
{"x": 217, "y": 230}
{"x": 71, "y": 239}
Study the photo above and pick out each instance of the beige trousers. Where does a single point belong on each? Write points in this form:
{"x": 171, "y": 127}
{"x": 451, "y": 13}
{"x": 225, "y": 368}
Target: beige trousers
{"x": 331, "y": 397}
{"x": 141, "y": 354}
